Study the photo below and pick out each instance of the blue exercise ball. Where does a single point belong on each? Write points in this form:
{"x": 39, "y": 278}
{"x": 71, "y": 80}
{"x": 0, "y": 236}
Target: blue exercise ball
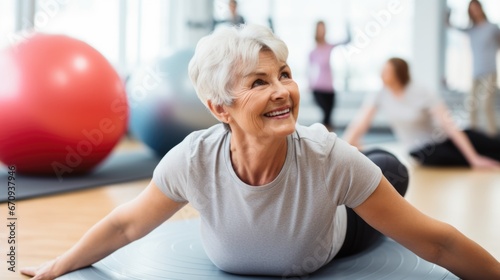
{"x": 164, "y": 107}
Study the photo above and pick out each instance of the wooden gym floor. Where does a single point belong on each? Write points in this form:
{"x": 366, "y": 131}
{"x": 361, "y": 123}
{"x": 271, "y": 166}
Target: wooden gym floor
{"x": 47, "y": 226}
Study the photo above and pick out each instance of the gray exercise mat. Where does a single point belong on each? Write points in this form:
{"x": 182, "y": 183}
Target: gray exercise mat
{"x": 174, "y": 251}
{"x": 120, "y": 166}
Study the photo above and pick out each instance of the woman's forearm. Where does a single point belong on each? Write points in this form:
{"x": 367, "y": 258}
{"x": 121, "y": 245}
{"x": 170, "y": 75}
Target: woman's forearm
{"x": 359, "y": 126}
{"x": 458, "y": 137}
{"x": 466, "y": 259}
{"x": 126, "y": 223}
{"x": 354, "y": 134}
{"x": 102, "y": 239}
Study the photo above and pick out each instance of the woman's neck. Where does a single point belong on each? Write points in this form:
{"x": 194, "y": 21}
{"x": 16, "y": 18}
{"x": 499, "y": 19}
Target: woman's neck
{"x": 321, "y": 42}
{"x": 257, "y": 161}
{"x": 396, "y": 88}
{"x": 480, "y": 21}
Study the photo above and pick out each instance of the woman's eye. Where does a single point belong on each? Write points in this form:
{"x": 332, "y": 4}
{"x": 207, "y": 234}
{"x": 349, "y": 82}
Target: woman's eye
{"x": 257, "y": 83}
{"x": 285, "y": 75}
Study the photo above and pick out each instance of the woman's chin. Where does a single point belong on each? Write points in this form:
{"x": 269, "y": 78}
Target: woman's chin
{"x": 284, "y": 129}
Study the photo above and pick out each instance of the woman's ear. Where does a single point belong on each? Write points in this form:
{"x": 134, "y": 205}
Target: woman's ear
{"x": 219, "y": 111}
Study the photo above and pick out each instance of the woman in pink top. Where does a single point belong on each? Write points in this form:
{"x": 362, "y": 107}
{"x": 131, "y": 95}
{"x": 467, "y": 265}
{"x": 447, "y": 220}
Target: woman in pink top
{"x": 320, "y": 74}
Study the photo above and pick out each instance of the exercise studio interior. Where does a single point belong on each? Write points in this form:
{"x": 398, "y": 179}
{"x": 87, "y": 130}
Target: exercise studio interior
{"x": 249, "y": 139}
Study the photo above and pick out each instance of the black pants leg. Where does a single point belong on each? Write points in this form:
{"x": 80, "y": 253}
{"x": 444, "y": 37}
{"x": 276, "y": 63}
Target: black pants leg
{"x": 484, "y": 144}
{"x": 447, "y": 154}
{"x": 326, "y": 101}
{"x": 360, "y": 235}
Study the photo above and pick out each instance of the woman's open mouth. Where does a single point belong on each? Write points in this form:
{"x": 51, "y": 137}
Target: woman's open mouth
{"x": 278, "y": 113}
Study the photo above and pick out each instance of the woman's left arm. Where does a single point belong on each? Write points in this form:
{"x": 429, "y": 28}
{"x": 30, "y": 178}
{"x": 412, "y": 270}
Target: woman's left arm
{"x": 432, "y": 240}
{"x": 460, "y": 139}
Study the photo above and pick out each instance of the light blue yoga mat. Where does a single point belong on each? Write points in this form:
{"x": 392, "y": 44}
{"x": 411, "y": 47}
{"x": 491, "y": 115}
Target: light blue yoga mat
{"x": 174, "y": 251}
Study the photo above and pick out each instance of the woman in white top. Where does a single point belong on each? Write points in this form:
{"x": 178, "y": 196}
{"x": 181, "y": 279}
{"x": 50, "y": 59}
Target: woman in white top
{"x": 422, "y": 122}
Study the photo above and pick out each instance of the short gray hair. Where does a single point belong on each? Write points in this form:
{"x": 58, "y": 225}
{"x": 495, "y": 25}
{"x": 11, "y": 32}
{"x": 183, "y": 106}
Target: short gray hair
{"x": 227, "y": 54}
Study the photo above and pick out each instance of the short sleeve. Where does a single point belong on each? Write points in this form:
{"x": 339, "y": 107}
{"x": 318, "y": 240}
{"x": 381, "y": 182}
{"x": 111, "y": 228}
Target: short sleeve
{"x": 172, "y": 173}
{"x": 373, "y": 99}
{"x": 353, "y": 177}
{"x": 430, "y": 98}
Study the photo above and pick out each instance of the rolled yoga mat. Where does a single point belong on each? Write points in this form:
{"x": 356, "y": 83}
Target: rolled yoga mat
{"x": 174, "y": 251}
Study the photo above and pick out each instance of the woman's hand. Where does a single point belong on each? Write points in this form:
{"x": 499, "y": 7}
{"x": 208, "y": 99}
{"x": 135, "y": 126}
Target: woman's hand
{"x": 357, "y": 145}
{"x": 482, "y": 162}
{"x": 461, "y": 140}
{"x": 359, "y": 126}
{"x": 45, "y": 271}
{"x": 126, "y": 223}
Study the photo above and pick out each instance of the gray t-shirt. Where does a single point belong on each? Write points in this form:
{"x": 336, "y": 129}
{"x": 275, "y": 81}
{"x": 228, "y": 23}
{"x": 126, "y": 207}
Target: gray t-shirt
{"x": 291, "y": 226}
{"x": 484, "y": 41}
{"x": 410, "y": 115}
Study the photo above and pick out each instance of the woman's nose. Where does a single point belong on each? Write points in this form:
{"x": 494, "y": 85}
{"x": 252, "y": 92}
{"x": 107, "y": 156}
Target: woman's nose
{"x": 280, "y": 92}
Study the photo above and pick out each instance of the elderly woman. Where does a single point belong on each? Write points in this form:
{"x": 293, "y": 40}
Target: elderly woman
{"x": 421, "y": 121}
{"x": 271, "y": 193}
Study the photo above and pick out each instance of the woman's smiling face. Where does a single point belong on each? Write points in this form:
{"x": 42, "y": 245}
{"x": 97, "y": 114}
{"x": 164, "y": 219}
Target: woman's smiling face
{"x": 267, "y": 100}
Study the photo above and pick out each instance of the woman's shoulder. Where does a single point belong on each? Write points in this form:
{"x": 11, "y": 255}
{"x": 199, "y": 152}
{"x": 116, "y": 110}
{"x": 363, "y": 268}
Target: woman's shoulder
{"x": 315, "y": 132}
{"x": 483, "y": 27}
{"x": 215, "y": 131}
{"x": 490, "y": 24}
{"x": 419, "y": 94}
{"x": 413, "y": 86}
{"x": 419, "y": 89}
{"x": 200, "y": 144}
{"x": 315, "y": 138}
{"x": 207, "y": 137}
{"x": 494, "y": 28}
{"x": 203, "y": 140}
{"x": 316, "y": 143}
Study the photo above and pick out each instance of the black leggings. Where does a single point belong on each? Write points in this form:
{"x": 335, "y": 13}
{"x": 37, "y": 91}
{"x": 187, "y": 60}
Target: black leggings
{"x": 359, "y": 234}
{"x": 447, "y": 154}
{"x": 326, "y": 101}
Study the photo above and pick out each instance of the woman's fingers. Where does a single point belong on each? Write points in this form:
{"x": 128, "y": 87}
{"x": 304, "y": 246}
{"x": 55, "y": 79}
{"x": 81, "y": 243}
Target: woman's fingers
{"x": 485, "y": 162}
{"x": 29, "y": 271}
{"x": 42, "y": 272}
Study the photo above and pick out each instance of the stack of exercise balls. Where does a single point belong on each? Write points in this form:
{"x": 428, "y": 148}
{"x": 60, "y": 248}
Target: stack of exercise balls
{"x": 63, "y": 107}
{"x": 164, "y": 107}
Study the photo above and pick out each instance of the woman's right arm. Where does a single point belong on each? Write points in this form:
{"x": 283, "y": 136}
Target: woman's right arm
{"x": 437, "y": 242}
{"x": 123, "y": 225}
{"x": 358, "y": 127}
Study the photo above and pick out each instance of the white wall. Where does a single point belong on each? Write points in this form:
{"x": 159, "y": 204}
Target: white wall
{"x": 429, "y": 43}
{"x": 198, "y": 13}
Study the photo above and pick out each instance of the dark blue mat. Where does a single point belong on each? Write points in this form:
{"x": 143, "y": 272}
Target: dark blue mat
{"x": 174, "y": 251}
{"x": 120, "y": 166}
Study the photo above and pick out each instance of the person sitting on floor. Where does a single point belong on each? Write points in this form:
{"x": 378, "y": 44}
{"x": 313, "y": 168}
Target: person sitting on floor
{"x": 422, "y": 122}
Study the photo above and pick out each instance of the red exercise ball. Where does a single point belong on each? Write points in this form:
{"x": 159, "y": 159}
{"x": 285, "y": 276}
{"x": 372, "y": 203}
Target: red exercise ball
{"x": 63, "y": 107}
